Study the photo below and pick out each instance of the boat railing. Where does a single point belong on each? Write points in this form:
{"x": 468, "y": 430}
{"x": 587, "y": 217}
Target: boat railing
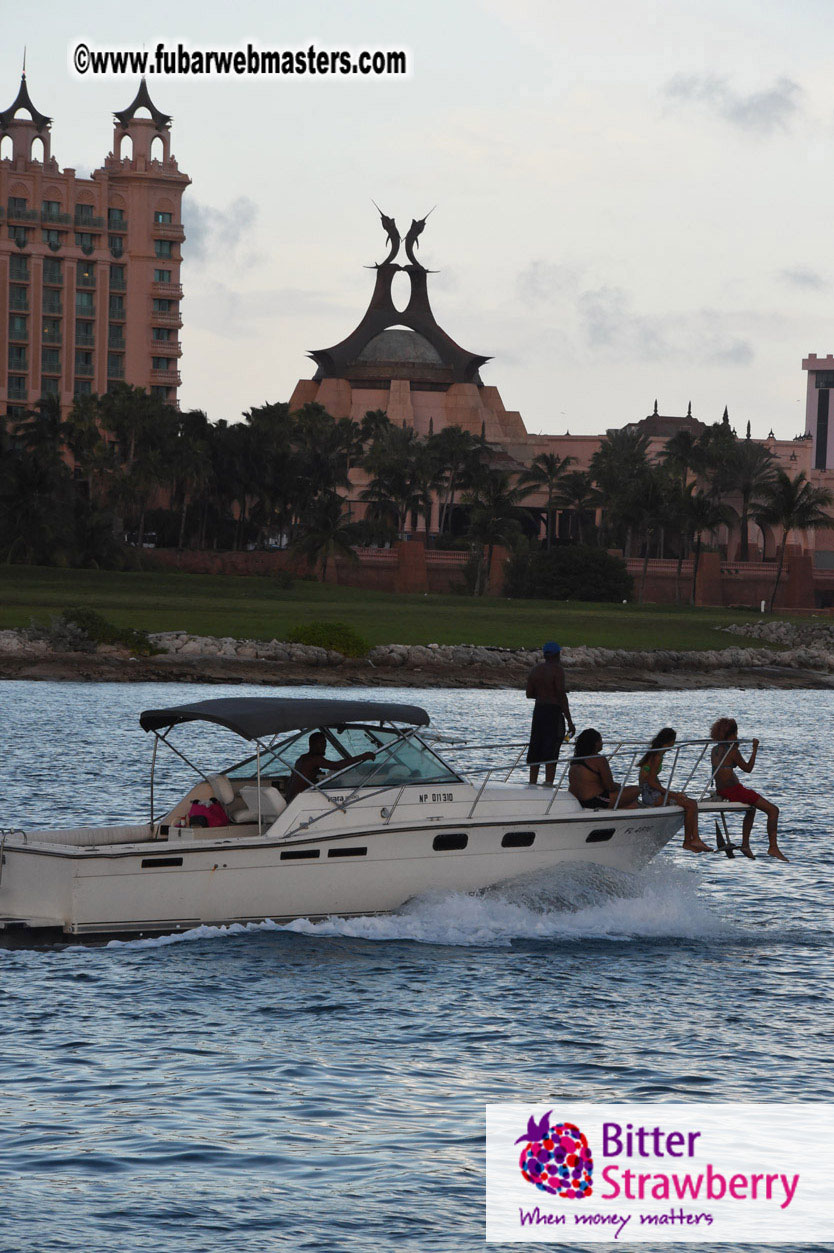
{"x": 481, "y": 776}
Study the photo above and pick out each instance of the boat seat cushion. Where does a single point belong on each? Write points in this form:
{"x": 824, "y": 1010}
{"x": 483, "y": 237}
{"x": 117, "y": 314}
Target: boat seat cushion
{"x": 222, "y": 788}
{"x": 272, "y": 804}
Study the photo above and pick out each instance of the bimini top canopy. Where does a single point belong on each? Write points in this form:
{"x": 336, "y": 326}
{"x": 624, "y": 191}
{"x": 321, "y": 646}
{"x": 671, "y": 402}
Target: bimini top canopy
{"x": 254, "y": 716}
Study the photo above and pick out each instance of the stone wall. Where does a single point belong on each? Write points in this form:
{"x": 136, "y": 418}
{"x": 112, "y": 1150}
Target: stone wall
{"x": 410, "y": 567}
{"x": 407, "y": 567}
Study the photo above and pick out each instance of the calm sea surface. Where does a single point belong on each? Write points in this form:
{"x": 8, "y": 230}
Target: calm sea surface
{"x": 322, "y": 1086}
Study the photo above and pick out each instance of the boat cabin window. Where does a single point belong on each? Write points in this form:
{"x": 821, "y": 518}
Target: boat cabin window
{"x": 397, "y": 760}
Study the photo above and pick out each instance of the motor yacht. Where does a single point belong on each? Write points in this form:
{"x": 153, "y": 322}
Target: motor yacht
{"x": 243, "y": 844}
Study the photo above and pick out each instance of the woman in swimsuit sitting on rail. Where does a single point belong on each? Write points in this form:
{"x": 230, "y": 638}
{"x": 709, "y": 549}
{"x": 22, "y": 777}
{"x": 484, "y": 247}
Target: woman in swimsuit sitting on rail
{"x": 590, "y": 778}
{"x": 725, "y": 756}
{"x": 653, "y": 790}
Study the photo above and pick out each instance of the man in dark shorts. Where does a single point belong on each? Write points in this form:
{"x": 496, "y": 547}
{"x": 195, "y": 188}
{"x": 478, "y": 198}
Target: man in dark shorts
{"x": 546, "y": 686}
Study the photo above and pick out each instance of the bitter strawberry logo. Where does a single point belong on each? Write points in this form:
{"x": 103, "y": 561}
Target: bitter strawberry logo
{"x": 556, "y": 1158}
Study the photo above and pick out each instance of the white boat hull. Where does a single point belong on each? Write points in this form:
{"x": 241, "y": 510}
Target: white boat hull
{"x": 192, "y": 878}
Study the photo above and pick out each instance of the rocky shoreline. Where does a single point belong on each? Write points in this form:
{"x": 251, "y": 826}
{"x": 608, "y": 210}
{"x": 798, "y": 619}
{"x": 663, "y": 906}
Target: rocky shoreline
{"x": 805, "y": 659}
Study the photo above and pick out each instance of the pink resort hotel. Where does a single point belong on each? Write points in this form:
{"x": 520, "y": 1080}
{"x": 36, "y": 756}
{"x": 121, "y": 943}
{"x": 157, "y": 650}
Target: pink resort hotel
{"x": 90, "y": 285}
{"x": 89, "y": 267}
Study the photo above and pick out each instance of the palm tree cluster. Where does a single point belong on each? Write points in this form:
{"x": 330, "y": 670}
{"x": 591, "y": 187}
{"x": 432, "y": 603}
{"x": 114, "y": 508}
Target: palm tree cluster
{"x": 673, "y": 505}
{"x": 126, "y": 463}
{"x": 282, "y": 478}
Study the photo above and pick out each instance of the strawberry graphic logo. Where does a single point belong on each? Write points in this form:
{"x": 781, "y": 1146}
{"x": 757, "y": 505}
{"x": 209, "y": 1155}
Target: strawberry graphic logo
{"x": 556, "y": 1158}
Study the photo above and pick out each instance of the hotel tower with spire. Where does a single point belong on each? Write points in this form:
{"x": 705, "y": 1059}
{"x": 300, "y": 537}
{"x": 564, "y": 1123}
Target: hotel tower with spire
{"x": 89, "y": 267}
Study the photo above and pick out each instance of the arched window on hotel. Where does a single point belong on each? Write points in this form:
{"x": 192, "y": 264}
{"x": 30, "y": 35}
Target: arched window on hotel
{"x": 6, "y": 147}
{"x": 37, "y": 151}
{"x": 125, "y": 152}
{"x": 157, "y": 148}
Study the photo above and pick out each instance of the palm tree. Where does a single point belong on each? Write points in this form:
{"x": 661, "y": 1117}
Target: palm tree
{"x": 683, "y": 454}
{"x": 753, "y": 471}
{"x": 459, "y": 455}
{"x": 704, "y": 515}
{"x": 543, "y": 475}
{"x": 37, "y": 501}
{"x": 577, "y": 493}
{"x": 651, "y": 510}
{"x": 617, "y": 468}
{"x": 373, "y": 426}
{"x": 428, "y": 477}
{"x": 324, "y": 533}
{"x": 678, "y": 497}
{"x": 83, "y": 437}
{"x": 493, "y": 519}
{"x": 793, "y": 505}
{"x": 190, "y": 462}
{"x": 717, "y": 449}
{"x": 391, "y": 463}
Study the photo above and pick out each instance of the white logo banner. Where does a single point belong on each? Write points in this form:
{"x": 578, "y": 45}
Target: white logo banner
{"x": 570, "y": 1173}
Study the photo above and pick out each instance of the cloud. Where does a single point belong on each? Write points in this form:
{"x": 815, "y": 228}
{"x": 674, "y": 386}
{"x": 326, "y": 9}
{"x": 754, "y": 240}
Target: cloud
{"x": 603, "y": 319}
{"x": 540, "y": 282}
{"x": 759, "y": 112}
{"x": 608, "y": 321}
{"x": 209, "y": 230}
{"x": 236, "y": 314}
{"x": 802, "y": 276}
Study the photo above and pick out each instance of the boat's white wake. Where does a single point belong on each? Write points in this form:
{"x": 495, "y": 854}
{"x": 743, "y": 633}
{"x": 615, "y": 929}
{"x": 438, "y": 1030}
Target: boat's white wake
{"x": 583, "y": 903}
{"x": 595, "y": 905}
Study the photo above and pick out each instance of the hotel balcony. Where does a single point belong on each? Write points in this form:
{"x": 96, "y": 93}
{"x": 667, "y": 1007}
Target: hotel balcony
{"x": 165, "y": 347}
{"x": 116, "y": 341}
{"x": 168, "y": 291}
{"x": 173, "y": 320}
{"x": 168, "y": 230}
{"x": 117, "y": 226}
{"x": 19, "y": 337}
{"x": 85, "y": 341}
{"x": 88, "y": 224}
{"x": 22, "y": 215}
{"x": 50, "y": 218}
{"x": 52, "y": 337}
{"x": 172, "y": 378}
{"x": 85, "y": 369}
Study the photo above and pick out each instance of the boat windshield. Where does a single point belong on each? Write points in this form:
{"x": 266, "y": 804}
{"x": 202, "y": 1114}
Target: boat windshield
{"x": 396, "y": 759}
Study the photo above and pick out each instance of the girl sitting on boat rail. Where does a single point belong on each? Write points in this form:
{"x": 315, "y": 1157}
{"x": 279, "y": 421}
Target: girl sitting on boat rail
{"x": 653, "y": 791}
{"x": 590, "y": 778}
{"x": 725, "y": 755}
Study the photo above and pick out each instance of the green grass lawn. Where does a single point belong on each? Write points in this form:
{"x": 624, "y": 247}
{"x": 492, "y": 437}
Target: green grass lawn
{"x": 256, "y": 608}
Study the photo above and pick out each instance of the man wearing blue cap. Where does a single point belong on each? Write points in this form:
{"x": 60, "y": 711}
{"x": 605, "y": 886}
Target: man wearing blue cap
{"x": 546, "y": 686}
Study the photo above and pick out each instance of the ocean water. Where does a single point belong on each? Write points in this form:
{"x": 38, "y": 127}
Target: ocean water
{"x": 321, "y": 1086}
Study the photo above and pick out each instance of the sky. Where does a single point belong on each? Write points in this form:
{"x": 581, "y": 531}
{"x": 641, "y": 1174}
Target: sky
{"x": 633, "y": 198}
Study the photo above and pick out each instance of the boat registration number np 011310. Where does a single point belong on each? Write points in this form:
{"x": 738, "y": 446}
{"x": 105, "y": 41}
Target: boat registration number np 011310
{"x": 436, "y": 798}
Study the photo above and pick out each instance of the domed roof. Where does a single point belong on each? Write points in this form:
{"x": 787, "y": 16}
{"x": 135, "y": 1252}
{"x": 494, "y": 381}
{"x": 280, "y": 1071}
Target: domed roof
{"x": 402, "y": 346}
{"x": 400, "y": 343}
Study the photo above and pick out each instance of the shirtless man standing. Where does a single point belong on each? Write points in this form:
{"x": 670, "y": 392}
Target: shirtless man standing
{"x": 546, "y": 686}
